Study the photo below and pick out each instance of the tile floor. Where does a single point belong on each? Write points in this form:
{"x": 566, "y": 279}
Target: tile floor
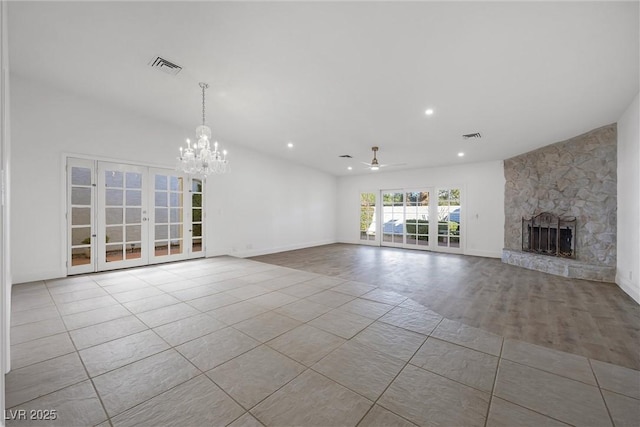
{"x": 226, "y": 341}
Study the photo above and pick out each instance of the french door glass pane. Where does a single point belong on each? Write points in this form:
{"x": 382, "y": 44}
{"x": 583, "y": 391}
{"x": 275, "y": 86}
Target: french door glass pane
{"x": 134, "y": 233}
{"x": 175, "y": 246}
{"x": 80, "y": 236}
{"x": 161, "y": 182}
{"x": 134, "y": 197}
{"x": 114, "y": 234}
{"x": 123, "y": 211}
{"x": 417, "y": 218}
{"x": 80, "y": 176}
{"x": 161, "y": 248}
{"x": 80, "y": 196}
{"x": 114, "y": 197}
{"x": 133, "y": 215}
{"x": 81, "y": 214}
{"x": 81, "y": 256}
{"x": 113, "y": 215}
{"x": 449, "y": 210}
{"x": 176, "y": 183}
{"x": 196, "y": 216}
{"x": 168, "y": 237}
{"x": 393, "y": 217}
{"x": 114, "y": 253}
{"x": 162, "y": 232}
{"x": 134, "y": 251}
{"x": 114, "y": 179}
{"x": 134, "y": 180}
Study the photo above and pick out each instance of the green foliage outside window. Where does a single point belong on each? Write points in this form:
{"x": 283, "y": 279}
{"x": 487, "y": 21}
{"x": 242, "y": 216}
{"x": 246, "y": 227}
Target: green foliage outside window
{"x": 367, "y": 210}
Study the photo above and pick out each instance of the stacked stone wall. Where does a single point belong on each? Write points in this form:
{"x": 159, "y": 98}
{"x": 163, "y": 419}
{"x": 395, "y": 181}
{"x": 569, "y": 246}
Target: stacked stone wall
{"x": 573, "y": 178}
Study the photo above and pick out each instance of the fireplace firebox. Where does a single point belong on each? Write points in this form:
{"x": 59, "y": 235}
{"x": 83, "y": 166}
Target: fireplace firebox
{"x": 548, "y": 234}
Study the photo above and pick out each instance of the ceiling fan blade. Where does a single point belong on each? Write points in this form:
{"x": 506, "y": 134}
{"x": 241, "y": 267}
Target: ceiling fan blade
{"x": 366, "y": 164}
{"x": 392, "y": 165}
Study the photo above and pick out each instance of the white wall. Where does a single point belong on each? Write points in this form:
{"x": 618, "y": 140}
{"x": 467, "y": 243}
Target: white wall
{"x": 482, "y": 187}
{"x": 628, "y": 242}
{"x": 269, "y": 205}
{"x": 263, "y": 205}
{"x": 5, "y": 252}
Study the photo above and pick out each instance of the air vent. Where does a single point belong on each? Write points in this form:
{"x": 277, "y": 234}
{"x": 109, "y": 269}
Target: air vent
{"x": 164, "y": 65}
{"x": 346, "y": 156}
{"x": 472, "y": 135}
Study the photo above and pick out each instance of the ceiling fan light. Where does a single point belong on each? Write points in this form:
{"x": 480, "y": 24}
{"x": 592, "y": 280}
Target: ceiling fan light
{"x": 375, "y": 167}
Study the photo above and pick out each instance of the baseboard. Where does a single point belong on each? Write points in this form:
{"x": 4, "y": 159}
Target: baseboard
{"x": 268, "y": 251}
{"x": 36, "y": 276}
{"x": 485, "y": 254}
{"x": 629, "y": 288}
{"x": 473, "y": 252}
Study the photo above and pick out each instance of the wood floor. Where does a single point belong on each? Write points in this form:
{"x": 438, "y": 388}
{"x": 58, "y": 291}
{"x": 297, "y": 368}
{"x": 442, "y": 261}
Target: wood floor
{"x": 592, "y": 319}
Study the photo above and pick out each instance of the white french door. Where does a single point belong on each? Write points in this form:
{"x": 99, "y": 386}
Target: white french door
{"x": 122, "y": 215}
{"x": 392, "y": 218}
{"x": 424, "y": 218}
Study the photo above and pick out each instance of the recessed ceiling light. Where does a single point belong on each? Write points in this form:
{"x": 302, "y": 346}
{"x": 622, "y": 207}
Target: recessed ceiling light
{"x": 429, "y": 111}
{"x": 349, "y": 168}
{"x": 461, "y": 154}
{"x": 290, "y": 145}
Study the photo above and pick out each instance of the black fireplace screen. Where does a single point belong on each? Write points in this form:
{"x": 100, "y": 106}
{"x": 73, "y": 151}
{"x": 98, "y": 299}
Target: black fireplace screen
{"x": 548, "y": 234}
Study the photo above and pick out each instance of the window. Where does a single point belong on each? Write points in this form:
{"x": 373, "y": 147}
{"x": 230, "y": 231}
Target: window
{"x": 449, "y": 217}
{"x": 367, "y": 216}
{"x": 416, "y": 219}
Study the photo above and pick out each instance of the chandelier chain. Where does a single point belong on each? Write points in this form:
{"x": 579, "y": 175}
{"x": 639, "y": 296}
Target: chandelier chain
{"x": 203, "y": 88}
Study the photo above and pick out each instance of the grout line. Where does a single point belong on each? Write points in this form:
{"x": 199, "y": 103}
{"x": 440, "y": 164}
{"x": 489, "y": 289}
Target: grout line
{"x": 86, "y": 371}
{"x": 602, "y": 394}
{"x": 272, "y": 310}
{"x": 493, "y": 386}
{"x": 396, "y": 377}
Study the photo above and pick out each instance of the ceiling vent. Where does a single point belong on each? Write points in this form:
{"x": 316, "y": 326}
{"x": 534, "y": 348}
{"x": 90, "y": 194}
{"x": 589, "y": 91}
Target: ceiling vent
{"x": 472, "y": 136}
{"x": 346, "y": 156}
{"x": 164, "y": 65}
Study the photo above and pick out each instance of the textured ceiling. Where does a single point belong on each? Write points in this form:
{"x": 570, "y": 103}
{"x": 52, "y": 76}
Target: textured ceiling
{"x": 337, "y": 78}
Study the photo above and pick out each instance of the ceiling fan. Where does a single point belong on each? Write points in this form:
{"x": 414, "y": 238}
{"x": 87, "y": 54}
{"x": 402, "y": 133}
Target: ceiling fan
{"x": 375, "y": 165}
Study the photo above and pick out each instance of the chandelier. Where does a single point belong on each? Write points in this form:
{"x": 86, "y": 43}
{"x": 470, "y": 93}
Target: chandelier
{"x": 198, "y": 158}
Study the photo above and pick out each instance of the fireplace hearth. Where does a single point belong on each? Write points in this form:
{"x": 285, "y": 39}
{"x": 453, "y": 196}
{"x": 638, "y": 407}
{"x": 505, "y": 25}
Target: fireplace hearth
{"x": 548, "y": 234}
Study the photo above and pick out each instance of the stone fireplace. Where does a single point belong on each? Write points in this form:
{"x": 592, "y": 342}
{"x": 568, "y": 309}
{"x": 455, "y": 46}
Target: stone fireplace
{"x": 561, "y": 200}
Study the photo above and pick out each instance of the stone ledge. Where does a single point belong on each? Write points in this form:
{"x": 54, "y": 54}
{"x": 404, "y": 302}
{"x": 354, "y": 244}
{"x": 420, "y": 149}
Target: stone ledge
{"x": 559, "y": 266}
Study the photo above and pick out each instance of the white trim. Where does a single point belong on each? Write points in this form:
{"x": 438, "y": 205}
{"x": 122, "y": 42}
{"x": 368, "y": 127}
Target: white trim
{"x": 629, "y": 288}
{"x": 68, "y": 211}
{"x": 485, "y": 254}
{"x": 5, "y": 243}
{"x": 46, "y": 275}
{"x": 115, "y": 160}
{"x": 258, "y": 252}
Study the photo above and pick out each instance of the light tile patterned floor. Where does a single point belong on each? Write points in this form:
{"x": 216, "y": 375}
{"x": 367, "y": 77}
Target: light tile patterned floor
{"x": 226, "y": 341}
